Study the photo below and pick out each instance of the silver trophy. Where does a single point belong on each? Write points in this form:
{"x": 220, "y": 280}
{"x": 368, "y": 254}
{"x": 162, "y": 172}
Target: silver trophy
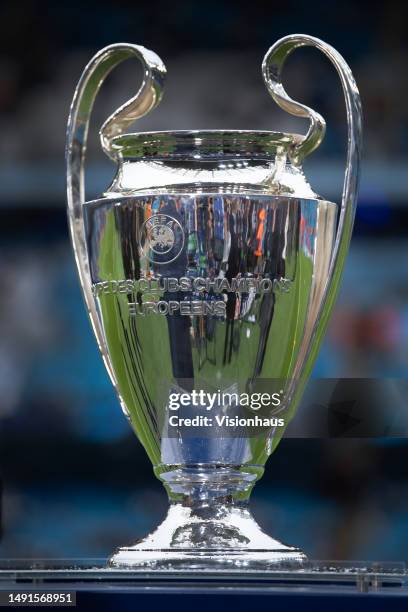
{"x": 209, "y": 270}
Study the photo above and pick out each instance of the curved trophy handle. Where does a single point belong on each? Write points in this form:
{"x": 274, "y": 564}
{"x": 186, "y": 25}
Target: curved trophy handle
{"x": 272, "y": 70}
{"x": 148, "y": 96}
{"x": 272, "y": 67}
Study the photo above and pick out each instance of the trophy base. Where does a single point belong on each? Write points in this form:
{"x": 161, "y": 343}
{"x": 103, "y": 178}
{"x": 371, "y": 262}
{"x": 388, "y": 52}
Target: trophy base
{"x": 220, "y": 537}
{"x": 208, "y": 560}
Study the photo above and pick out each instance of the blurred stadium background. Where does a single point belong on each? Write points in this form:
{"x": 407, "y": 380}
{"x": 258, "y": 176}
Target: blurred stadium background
{"x": 74, "y": 480}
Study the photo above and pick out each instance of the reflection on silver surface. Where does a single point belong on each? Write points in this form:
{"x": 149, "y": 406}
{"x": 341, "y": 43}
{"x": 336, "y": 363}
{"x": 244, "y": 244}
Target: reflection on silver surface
{"x": 208, "y": 264}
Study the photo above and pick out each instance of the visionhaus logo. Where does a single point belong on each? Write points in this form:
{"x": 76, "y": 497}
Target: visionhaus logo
{"x": 211, "y": 411}
{"x": 161, "y": 238}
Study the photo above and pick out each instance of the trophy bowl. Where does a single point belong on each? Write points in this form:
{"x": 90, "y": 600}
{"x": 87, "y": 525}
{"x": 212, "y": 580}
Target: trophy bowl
{"x": 209, "y": 269}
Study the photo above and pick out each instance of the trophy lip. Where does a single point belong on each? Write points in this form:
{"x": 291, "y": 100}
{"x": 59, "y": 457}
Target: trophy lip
{"x": 203, "y": 144}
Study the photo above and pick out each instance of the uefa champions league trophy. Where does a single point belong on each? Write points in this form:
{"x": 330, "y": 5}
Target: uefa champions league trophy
{"x": 209, "y": 270}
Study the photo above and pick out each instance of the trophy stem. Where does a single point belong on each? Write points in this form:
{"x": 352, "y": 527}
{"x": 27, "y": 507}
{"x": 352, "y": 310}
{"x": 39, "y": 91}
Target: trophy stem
{"x": 209, "y": 525}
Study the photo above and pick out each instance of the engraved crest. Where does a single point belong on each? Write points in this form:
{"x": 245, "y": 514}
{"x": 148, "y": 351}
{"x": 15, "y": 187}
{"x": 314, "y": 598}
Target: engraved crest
{"x": 161, "y": 238}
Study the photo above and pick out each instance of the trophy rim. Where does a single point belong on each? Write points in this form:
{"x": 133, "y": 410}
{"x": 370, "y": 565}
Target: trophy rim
{"x": 202, "y": 144}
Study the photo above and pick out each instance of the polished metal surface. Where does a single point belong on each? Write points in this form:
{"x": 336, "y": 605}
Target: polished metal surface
{"x": 175, "y": 314}
{"x": 209, "y": 269}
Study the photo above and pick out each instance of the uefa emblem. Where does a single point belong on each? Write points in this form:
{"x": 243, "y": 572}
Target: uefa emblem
{"x": 161, "y": 238}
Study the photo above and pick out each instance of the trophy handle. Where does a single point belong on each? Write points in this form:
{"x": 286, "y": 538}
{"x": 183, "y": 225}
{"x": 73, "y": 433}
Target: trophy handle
{"x": 272, "y": 66}
{"x": 146, "y": 99}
